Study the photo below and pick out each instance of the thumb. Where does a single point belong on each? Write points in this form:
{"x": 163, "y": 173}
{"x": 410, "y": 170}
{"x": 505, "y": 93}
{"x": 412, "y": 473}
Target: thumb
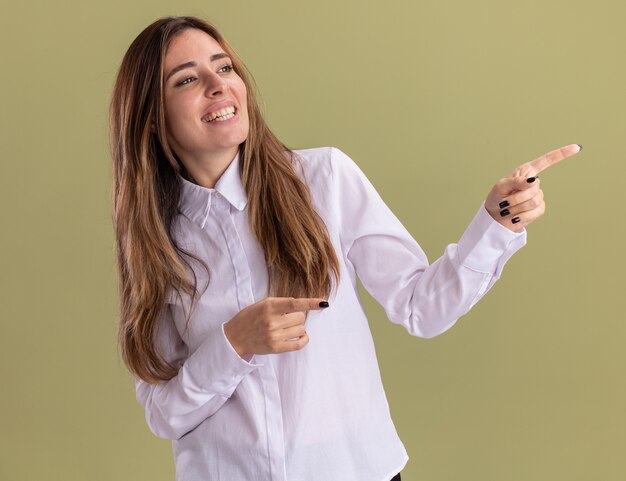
{"x": 515, "y": 184}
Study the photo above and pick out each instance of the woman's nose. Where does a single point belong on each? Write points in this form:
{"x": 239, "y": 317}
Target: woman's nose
{"x": 215, "y": 85}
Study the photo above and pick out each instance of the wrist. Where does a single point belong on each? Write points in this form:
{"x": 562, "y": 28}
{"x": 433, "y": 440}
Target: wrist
{"x": 494, "y": 213}
{"x": 231, "y": 336}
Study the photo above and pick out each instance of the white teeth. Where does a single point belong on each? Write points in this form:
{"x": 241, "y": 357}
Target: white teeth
{"x": 225, "y": 117}
{"x": 225, "y": 114}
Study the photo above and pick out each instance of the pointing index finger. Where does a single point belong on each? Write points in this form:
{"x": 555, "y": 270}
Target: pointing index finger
{"x": 542, "y": 163}
{"x": 288, "y": 305}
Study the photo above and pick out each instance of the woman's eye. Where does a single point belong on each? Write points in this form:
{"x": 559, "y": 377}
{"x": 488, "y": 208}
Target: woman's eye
{"x": 224, "y": 69}
{"x": 185, "y": 81}
{"x": 228, "y": 67}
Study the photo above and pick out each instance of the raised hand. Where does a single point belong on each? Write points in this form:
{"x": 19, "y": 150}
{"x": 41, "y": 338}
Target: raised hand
{"x": 517, "y": 200}
{"x": 273, "y": 325}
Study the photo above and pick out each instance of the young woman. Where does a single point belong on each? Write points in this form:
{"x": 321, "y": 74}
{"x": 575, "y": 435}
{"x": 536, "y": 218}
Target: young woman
{"x": 238, "y": 257}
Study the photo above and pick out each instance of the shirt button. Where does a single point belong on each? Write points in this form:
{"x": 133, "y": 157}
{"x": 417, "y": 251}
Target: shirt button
{"x": 218, "y": 195}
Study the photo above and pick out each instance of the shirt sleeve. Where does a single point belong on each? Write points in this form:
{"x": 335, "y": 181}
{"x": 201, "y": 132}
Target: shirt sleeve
{"x": 205, "y": 380}
{"x": 426, "y": 299}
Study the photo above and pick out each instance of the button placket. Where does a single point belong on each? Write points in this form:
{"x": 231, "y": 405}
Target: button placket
{"x": 239, "y": 262}
{"x": 273, "y": 412}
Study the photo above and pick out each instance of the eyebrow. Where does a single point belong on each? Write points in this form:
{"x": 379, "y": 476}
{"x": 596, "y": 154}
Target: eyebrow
{"x": 185, "y": 65}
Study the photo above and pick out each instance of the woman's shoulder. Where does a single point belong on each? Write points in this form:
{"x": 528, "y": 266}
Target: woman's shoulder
{"x": 319, "y": 162}
{"x": 314, "y": 157}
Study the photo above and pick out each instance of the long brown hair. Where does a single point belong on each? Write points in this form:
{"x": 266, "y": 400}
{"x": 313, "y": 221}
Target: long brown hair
{"x": 298, "y": 252}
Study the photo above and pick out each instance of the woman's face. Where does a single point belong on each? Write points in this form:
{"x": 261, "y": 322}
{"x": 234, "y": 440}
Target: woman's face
{"x": 199, "y": 82}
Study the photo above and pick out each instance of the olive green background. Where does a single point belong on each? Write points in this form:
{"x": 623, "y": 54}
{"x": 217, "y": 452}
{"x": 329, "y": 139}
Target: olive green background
{"x": 435, "y": 100}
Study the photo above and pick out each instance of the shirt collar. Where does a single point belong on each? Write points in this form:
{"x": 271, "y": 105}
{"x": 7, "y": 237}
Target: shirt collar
{"x": 195, "y": 202}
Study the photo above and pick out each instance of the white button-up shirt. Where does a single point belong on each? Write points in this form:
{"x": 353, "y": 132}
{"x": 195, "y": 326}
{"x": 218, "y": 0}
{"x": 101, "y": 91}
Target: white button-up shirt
{"x": 320, "y": 413}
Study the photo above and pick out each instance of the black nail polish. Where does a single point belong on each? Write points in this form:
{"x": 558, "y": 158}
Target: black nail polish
{"x": 515, "y": 220}
{"x": 504, "y": 203}
{"x": 530, "y": 180}
{"x": 504, "y": 213}
{"x": 581, "y": 147}
{"x": 324, "y": 304}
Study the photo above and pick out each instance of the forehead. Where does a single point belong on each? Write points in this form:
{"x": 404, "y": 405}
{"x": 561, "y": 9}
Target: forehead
{"x": 190, "y": 44}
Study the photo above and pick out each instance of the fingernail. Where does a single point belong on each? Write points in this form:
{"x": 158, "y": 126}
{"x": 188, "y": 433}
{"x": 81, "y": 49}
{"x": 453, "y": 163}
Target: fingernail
{"x": 504, "y": 203}
{"x": 530, "y": 180}
{"x": 515, "y": 220}
{"x": 324, "y": 304}
{"x": 580, "y": 146}
{"x": 504, "y": 212}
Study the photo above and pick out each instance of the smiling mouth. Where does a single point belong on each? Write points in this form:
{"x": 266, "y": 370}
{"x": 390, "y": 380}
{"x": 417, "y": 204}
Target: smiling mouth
{"x": 220, "y": 115}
